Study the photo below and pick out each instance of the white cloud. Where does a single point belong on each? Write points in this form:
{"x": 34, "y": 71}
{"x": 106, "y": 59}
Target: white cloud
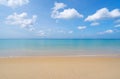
{"x": 117, "y": 25}
{"x": 95, "y": 24}
{"x": 66, "y": 13}
{"x": 82, "y": 27}
{"x": 32, "y": 29}
{"x": 58, "y": 6}
{"x": 70, "y": 31}
{"x": 21, "y": 20}
{"x": 41, "y": 33}
{"x": 14, "y": 3}
{"x": 103, "y": 13}
{"x": 107, "y": 32}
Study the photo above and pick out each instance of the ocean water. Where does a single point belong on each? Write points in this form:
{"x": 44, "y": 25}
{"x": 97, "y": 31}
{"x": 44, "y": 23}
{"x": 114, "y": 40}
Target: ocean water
{"x": 35, "y": 47}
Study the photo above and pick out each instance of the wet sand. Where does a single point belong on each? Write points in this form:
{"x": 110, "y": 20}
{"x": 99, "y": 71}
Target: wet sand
{"x": 60, "y": 68}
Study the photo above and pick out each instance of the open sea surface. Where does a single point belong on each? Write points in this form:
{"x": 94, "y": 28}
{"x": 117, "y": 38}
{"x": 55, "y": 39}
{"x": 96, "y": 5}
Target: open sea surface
{"x": 63, "y": 47}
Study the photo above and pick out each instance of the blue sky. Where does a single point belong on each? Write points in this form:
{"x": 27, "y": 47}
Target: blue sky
{"x": 60, "y": 19}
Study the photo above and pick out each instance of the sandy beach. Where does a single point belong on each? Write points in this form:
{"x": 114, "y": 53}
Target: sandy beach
{"x": 60, "y": 68}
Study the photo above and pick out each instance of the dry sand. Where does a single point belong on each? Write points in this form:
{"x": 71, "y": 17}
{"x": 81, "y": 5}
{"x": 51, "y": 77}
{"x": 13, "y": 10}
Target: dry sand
{"x": 60, "y": 68}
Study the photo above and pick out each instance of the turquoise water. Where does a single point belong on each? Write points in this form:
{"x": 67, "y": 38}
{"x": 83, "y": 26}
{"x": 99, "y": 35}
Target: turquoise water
{"x": 58, "y": 47}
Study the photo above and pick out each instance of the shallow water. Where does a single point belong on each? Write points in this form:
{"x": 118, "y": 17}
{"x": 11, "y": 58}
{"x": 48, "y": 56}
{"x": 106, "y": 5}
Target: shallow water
{"x": 35, "y": 47}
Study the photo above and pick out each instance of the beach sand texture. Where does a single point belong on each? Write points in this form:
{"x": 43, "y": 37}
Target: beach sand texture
{"x": 60, "y": 68}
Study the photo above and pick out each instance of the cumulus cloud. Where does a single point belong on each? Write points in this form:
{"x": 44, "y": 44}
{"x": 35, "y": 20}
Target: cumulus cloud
{"x": 82, "y": 27}
{"x": 21, "y": 20}
{"x": 58, "y": 6}
{"x": 107, "y": 32}
{"x": 103, "y": 13}
{"x": 94, "y": 24}
{"x": 14, "y": 3}
{"x": 66, "y": 13}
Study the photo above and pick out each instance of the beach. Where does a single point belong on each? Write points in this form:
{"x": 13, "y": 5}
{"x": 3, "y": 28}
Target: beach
{"x": 48, "y": 67}
{"x": 59, "y": 39}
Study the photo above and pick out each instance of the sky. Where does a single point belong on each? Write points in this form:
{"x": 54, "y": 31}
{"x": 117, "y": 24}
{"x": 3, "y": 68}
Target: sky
{"x": 69, "y": 19}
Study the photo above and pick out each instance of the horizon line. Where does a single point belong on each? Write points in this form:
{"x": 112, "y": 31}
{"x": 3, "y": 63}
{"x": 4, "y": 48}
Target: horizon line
{"x": 59, "y": 38}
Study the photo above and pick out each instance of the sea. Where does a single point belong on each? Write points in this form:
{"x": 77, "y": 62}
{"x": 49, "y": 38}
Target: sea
{"x": 59, "y": 47}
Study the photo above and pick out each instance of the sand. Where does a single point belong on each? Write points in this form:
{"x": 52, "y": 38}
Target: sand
{"x": 60, "y": 68}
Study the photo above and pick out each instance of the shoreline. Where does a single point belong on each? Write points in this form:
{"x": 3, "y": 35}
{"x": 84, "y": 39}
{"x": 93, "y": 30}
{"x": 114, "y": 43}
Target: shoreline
{"x": 100, "y": 56}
